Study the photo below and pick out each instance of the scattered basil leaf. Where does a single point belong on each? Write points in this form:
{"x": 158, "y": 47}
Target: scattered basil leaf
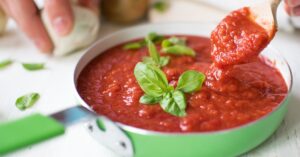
{"x": 5, "y": 63}
{"x": 151, "y": 79}
{"x": 161, "y": 6}
{"x": 147, "y": 99}
{"x": 33, "y": 66}
{"x": 179, "y": 50}
{"x": 190, "y": 81}
{"x": 174, "y": 103}
{"x": 27, "y": 101}
{"x": 134, "y": 45}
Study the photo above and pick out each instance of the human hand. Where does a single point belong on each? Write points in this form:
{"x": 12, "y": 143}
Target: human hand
{"x": 292, "y": 7}
{"x": 28, "y": 19}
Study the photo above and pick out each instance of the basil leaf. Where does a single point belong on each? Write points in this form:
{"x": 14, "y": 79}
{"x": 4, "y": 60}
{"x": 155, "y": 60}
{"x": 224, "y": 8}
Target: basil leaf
{"x": 174, "y": 103}
{"x": 179, "y": 50}
{"x": 155, "y": 37}
{"x": 134, "y": 45}
{"x": 160, "y": 6}
{"x": 177, "y": 41}
{"x": 190, "y": 81}
{"x": 27, "y": 101}
{"x": 152, "y": 50}
{"x": 151, "y": 79}
{"x": 5, "y": 63}
{"x": 166, "y": 43}
{"x": 148, "y": 60}
{"x": 164, "y": 61}
{"x": 173, "y": 41}
{"x": 147, "y": 99}
{"x": 33, "y": 66}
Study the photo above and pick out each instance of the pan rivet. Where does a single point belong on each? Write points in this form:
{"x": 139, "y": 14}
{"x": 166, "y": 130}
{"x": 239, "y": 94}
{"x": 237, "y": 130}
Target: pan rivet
{"x": 90, "y": 128}
{"x": 123, "y": 144}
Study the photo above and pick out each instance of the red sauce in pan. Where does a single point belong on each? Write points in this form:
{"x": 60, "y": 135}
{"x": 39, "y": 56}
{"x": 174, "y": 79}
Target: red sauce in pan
{"x": 253, "y": 90}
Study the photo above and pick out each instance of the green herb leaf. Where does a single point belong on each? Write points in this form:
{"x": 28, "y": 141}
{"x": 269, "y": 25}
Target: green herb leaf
{"x": 149, "y": 100}
{"x": 155, "y": 37}
{"x": 174, "y": 103}
{"x": 179, "y": 50}
{"x": 152, "y": 50}
{"x": 161, "y": 6}
{"x": 190, "y": 81}
{"x": 151, "y": 79}
{"x": 134, "y": 45}
{"x": 177, "y": 41}
{"x": 164, "y": 61}
{"x": 5, "y": 63}
{"x": 149, "y": 60}
{"x": 27, "y": 101}
{"x": 33, "y": 66}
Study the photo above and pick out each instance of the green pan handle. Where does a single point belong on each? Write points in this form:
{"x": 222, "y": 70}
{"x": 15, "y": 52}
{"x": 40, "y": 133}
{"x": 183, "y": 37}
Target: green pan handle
{"x": 26, "y": 131}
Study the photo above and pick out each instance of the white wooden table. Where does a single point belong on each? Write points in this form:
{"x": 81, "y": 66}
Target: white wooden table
{"x": 55, "y": 87}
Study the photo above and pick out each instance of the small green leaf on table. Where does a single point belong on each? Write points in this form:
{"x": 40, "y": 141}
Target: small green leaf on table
{"x": 5, "y": 63}
{"x": 33, "y": 66}
{"x": 27, "y": 101}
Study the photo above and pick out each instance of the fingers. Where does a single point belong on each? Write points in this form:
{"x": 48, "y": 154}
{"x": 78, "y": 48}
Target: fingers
{"x": 60, "y": 15}
{"x": 27, "y": 17}
{"x": 292, "y": 3}
{"x": 292, "y": 7}
{"x": 91, "y": 4}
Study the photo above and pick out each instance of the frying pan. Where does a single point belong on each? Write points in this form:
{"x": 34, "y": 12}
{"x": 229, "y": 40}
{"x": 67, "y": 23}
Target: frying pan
{"x": 229, "y": 142}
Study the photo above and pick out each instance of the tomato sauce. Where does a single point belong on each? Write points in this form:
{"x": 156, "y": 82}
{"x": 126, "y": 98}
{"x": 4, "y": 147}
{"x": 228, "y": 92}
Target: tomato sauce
{"x": 253, "y": 90}
{"x": 237, "y": 39}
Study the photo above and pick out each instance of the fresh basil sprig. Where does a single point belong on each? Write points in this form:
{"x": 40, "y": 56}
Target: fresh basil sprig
{"x": 5, "y": 63}
{"x": 27, "y": 101}
{"x": 155, "y": 58}
{"x": 154, "y": 37}
{"x": 153, "y": 82}
{"x": 33, "y": 66}
{"x": 177, "y": 46}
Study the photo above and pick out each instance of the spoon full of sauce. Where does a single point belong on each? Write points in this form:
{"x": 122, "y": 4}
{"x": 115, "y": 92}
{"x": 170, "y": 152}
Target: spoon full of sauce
{"x": 244, "y": 33}
{"x": 239, "y": 38}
